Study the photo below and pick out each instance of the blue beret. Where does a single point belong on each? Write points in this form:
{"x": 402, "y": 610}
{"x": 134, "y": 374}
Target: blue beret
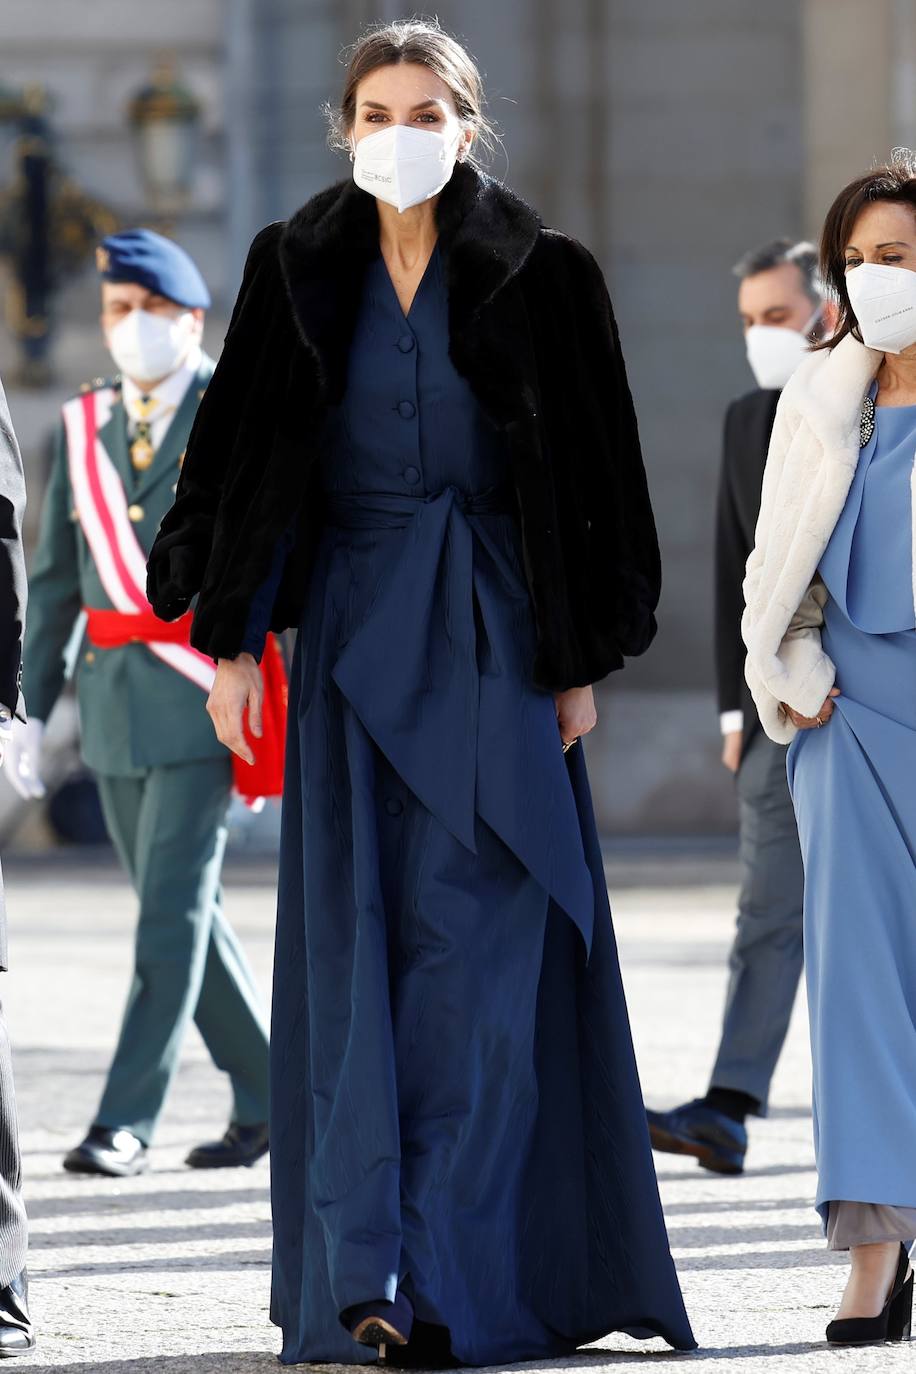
{"x": 150, "y": 260}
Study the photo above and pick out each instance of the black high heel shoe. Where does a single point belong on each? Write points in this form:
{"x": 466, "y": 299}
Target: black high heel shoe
{"x": 893, "y": 1323}
{"x": 382, "y": 1323}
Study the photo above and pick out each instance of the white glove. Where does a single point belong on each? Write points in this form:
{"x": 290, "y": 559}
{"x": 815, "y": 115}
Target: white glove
{"x": 22, "y": 758}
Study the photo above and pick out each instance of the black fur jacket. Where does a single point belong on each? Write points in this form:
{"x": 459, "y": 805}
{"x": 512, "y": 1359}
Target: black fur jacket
{"x": 532, "y": 331}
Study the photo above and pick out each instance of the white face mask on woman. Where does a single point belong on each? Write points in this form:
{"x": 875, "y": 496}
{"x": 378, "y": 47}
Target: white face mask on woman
{"x": 148, "y": 347}
{"x": 883, "y": 300}
{"x": 404, "y": 166}
{"x": 774, "y": 352}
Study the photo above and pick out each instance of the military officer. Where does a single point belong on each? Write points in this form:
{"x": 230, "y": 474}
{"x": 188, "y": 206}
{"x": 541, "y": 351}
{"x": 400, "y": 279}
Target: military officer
{"x": 164, "y": 779}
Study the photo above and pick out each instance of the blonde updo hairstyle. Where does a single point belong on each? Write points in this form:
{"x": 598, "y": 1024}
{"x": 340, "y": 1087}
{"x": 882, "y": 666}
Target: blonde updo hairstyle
{"x": 426, "y": 43}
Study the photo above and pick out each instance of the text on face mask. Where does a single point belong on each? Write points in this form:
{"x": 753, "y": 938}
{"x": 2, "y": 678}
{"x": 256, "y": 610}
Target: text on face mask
{"x": 892, "y": 315}
{"x": 376, "y": 176}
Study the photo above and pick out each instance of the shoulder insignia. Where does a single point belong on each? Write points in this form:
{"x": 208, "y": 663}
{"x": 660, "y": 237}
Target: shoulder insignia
{"x": 101, "y": 383}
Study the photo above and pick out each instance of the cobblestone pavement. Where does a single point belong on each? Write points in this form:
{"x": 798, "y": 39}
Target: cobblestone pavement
{"x": 170, "y": 1272}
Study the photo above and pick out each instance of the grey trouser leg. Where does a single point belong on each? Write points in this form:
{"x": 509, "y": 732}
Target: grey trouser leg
{"x": 169, "y": 828}
{"x": 14, "y": 1228}
{"x": 766, "y": 957}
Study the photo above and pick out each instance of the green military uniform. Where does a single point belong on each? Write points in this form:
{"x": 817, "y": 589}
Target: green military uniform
{"x": 165, "y": 784}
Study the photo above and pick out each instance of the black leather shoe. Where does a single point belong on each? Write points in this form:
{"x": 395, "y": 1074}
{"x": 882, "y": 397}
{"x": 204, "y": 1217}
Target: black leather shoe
{"x": 718, "y": 1142}
{"x": 16, "y": 1334}
{"x": 240, "y": 1147}
{"x": 117, "y": 1153}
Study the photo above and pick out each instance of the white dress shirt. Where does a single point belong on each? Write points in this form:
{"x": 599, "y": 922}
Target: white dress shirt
{"x": 168, "y": 395}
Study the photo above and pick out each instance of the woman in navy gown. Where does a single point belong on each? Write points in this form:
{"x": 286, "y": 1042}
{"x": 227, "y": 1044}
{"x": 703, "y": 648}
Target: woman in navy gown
{"x": 460, "y": 1164}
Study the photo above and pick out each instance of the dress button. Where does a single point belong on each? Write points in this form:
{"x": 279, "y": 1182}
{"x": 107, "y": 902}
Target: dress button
{"x": 393, "y": 806}
{"x": 405, "y": 343}
{"x": 407, "y": 410}
{"x": 412, "y": 475}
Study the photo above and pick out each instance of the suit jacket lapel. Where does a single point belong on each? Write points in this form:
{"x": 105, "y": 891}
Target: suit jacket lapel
{"x": 113, "y": 438}
{"x": 165, "y": 463}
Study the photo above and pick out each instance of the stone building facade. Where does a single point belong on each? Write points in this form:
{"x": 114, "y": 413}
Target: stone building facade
{"x": 668, "y": 136}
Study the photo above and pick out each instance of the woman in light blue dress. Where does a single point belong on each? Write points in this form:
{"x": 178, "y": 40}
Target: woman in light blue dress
{"x": 839, "y": 513}
{"x": 855, "y": 798}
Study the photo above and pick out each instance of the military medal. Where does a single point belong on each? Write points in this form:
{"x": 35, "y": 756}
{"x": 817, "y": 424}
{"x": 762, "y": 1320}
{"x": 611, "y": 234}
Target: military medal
{"x": 142, "y": 452}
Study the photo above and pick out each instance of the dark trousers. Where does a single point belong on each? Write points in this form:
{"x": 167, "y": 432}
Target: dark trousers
{"x": 14, "y": 1228}
{"x": 766, "y": 956}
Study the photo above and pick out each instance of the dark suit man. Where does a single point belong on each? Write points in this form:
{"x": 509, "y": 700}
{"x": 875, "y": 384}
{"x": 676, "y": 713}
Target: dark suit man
{"x": 782, "y": 308}
{"x": 15, "y": 1326}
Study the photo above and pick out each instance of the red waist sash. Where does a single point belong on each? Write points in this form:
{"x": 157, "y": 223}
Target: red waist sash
{"x": 264, "y": 778}
{"x": 112, "y": 630}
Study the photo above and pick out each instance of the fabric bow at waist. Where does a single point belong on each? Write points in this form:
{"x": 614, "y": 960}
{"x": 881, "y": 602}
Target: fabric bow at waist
{"x": 438, "y": 672}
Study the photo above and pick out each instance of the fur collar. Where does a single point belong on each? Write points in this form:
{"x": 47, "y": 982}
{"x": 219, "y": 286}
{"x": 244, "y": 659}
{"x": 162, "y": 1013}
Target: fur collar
{"x": 827, "y": 391}
{"x": 486, "y": 234}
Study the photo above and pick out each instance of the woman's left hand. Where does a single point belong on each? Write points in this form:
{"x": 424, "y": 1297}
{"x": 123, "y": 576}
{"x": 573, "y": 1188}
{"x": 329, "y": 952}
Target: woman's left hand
{"x": 576, "y": 714}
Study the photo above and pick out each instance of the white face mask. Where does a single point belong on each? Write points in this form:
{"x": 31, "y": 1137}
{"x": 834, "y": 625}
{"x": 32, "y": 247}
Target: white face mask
{"x": 148, "y": 347}
{"x": 774, "y": 351}
{"x": 404, "y": 166}
{"x": 883, "y": 300}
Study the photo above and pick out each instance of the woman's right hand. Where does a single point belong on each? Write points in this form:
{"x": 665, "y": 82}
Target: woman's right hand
{"x": 238, "y": 684}
{"x": 812, "y": 722}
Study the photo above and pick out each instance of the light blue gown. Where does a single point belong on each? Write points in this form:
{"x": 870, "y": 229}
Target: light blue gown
{"x": 854, "y": 787}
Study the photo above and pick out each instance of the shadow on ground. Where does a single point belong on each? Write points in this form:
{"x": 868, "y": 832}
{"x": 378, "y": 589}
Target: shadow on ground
{"x": 215, "y": 1362}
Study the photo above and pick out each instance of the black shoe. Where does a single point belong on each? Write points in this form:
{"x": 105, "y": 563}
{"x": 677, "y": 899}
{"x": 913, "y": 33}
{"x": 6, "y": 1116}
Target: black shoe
{"x": 718, "y": 1142}
{"x": 382, "y": 1323}
{"x": 893, "y": 1322}
{"x": 240, "y": 1146}
{"x": 105, "y": 1150}
{"x": 16, "y": 1334}
{"x": 429, "y": 1347}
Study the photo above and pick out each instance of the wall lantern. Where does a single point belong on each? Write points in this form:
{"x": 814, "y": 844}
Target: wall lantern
{"x": 166, "y": 120}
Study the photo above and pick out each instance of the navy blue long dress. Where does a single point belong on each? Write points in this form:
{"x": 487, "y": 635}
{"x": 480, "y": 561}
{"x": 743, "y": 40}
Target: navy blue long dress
{"x": 455, "y": 1105}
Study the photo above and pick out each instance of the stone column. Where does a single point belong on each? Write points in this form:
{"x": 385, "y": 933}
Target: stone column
{"x": 848, "y": 84}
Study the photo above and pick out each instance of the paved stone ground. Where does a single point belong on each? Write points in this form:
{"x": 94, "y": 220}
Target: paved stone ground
{"x": 170, "y": 1272}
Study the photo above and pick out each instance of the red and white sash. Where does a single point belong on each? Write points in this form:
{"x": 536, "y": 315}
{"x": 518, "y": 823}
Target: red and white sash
{"x": 101, "y": 505}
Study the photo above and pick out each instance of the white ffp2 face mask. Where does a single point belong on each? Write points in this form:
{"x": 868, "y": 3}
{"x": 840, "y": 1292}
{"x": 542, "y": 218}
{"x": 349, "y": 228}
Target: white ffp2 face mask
{"x": 404, "y": 166}
{"x": 883, "y": 300}
{"x": 774, "y": 351}
{"x": 148, "y": 347}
